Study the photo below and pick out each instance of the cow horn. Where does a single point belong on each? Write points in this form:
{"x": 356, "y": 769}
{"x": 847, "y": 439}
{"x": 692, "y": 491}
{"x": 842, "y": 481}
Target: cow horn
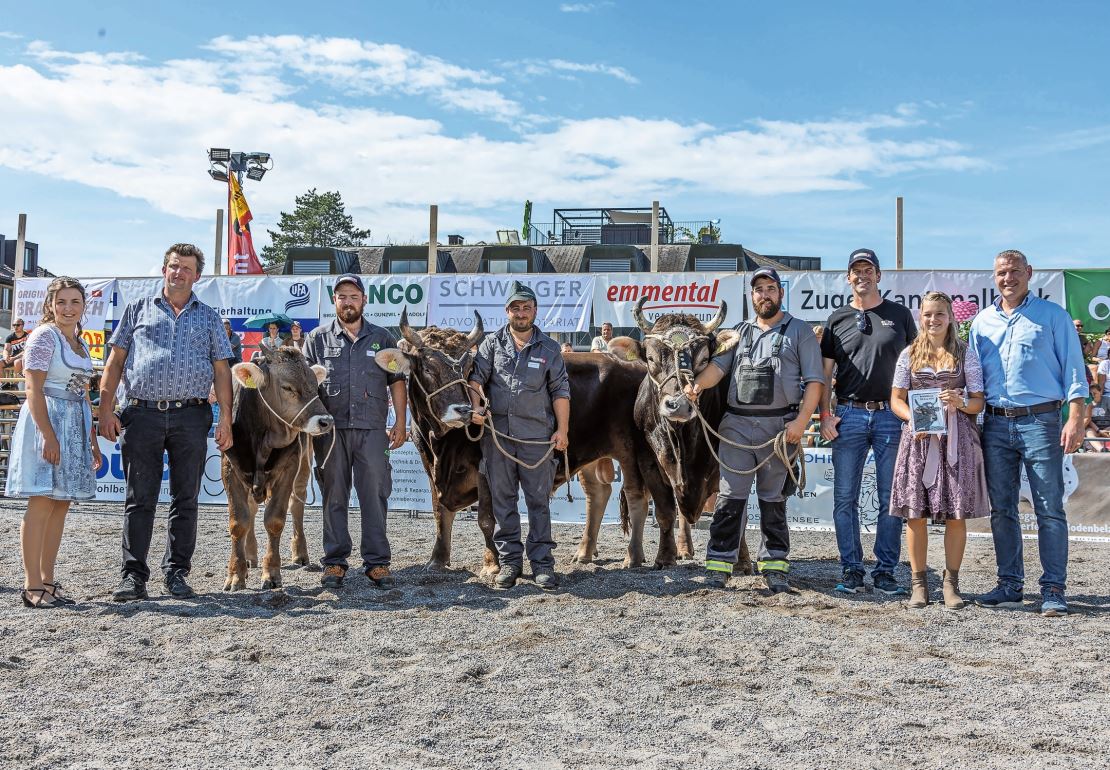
{"x": 477, "y": 332}
{"x": 717, "y": 319}
{"x": 638, "y": 314}
{"x": 407, "y": 332}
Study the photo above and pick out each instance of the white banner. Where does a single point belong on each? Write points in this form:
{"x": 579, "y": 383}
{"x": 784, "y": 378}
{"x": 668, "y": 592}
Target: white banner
{"x": 700, "y": 294}
{"x": 239, "y": 297}
{"x": 386, "y": 297}
{"x": 564, "y": 301}
{"x": 30, "y": 293}
{"x": 813, "y": 296}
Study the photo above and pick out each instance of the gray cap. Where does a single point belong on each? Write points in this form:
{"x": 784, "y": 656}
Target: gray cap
{"x": 519, "y": 291}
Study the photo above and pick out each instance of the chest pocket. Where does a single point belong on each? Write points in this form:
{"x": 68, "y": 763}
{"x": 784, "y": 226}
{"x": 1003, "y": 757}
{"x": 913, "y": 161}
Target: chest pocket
{"x": 755, "y": 383}
{"x": 532, "y": 372}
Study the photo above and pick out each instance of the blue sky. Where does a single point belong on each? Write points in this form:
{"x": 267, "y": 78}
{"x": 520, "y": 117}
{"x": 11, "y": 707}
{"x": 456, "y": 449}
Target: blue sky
{"x": 797, "y": 124}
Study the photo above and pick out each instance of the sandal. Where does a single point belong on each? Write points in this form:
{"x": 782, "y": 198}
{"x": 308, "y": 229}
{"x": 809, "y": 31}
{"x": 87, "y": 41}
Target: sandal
{"x": 53, "y": 589}
{"x": 42, "y": 603}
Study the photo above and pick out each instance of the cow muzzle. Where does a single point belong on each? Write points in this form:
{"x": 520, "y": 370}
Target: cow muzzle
{"x": 676, "y": 408}
{"x": 318, "y": 424}
{"x": 456, "y": 415}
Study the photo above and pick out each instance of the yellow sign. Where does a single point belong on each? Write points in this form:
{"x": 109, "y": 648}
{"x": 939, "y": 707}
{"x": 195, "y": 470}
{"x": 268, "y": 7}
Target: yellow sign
{"x": 94, "y": 338}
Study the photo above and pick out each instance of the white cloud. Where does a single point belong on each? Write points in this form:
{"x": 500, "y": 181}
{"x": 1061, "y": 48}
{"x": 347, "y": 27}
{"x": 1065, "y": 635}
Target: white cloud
{"x": 545, "y": 67}
{"x": 583, "y": 7}
{"x": 140, "y": 129}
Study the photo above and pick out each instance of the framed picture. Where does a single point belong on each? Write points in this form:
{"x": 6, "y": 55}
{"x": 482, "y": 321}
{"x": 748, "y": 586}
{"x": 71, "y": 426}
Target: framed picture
{"x": 927, "y": 411}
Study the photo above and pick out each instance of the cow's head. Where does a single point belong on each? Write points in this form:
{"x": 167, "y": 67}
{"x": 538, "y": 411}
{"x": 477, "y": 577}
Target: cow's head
{"x": 677, "y": 347}
{"x": 288, "y": 386}
{"x": 440, "y": 361}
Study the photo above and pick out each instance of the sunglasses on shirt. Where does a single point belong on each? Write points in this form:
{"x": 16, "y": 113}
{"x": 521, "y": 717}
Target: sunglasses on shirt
{"x": 863, "y": 322}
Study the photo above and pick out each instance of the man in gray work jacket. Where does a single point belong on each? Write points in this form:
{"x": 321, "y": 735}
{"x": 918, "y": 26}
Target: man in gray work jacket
{"x": 521, "y": 370}
{"x": 355, "y": 392}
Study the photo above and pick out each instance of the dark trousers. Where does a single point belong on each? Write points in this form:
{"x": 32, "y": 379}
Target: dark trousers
{"x": 730, "y": 519}
{"x": 147, "y": 433}
{"x": 361, "y": 456}
{"x": 506, "y": 480}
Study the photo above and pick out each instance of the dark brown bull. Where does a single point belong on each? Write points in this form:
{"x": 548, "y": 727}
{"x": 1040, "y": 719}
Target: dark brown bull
{"x": 677, "y": 347}
{"x": 603, "y": 391}
{"x": 275, "y": 409}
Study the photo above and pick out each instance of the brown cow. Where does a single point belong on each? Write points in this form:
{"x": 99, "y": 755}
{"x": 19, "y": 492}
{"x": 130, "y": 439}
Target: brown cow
{"x": 276, "y": 407}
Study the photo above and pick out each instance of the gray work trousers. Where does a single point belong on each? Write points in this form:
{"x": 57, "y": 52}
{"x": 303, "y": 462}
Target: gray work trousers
{"x": 505, "y": 478}
{"x": 774, "y": 546}
{"x": 361, "y": 454}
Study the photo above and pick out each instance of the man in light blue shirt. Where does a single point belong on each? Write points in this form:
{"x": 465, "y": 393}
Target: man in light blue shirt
{"x": 1032, "y": 363}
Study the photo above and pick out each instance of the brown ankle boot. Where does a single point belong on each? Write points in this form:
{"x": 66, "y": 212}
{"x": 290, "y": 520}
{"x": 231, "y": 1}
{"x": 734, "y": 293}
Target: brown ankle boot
{"x": 952, "y": 598}
{"x": 919, "y": 590}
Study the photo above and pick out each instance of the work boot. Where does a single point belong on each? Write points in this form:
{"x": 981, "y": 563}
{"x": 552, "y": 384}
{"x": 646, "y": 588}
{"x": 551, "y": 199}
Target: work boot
{"x": 776, "y": 581}
{"x": 131, "y": 588}
{"x": 333, "y": 576}
{"x": 546, "y": 578}
{"x": 507, "y": 577}
{"x": 919, "y": 590}
{"x": 952, "y": 598}
{"x": 380, "y": 576}
{"x": 176, "y": 585}
{"x": 715, "y": 578}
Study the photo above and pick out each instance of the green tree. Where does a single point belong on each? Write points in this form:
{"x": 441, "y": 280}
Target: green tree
{"x": 318, "y": 219}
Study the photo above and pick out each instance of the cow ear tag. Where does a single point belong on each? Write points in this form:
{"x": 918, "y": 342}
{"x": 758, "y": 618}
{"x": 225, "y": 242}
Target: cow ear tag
{"x": 245, "y": 374}
{"x": 392, "y": 360}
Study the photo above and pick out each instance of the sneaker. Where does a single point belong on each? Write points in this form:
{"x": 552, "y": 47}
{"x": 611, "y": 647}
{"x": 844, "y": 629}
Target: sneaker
{"x": 851, "y": 583}
{"x": 546, "y": 578}
{"x": 887, "y": 584}
{"x": 380, "y": 576}
{"x": 131, "y": 588}
{"x": 1053, "y": 603}
{"x": 507, "y": 577}
{"x": 776, "y": 581}
{"x": 333, "y": 576}
{"x": 176, "y": 585}
{"x": 1002, "y": 597}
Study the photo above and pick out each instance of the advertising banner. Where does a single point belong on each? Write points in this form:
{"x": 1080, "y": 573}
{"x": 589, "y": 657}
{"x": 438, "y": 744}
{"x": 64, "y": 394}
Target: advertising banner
{"x": 565, "y": 301}
{"x": 812, "y": 296}
{"x": 699, "y": 294}
{"x": 1088, "y": 293}
{"x": 30, "y": 292}
{"x": 386, "y": 297}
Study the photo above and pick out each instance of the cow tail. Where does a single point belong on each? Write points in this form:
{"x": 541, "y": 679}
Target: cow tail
{"x": 626, "y": 520}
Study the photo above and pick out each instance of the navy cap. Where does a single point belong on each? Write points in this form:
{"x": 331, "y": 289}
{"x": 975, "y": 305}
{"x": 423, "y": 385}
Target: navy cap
{"x": 765, "y": 272}
{"x": 863, "y": 255}
{"x": 520, "y": 291}
{"x": 349, "y": 278}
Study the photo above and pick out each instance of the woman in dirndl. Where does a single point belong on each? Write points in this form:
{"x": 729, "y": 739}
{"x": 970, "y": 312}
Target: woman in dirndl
{"x": 939, "y": 477}
{"x": 54, "y": 453}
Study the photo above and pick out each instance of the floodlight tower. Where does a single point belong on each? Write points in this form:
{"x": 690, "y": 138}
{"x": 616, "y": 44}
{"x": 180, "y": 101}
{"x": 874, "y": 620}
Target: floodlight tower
{"x": 221, "y": 162}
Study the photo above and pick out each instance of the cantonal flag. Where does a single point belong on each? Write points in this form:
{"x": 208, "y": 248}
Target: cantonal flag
{"x": 241, "y": 258}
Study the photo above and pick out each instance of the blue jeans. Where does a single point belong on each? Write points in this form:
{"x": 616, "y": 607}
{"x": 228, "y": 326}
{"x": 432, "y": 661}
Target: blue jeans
{"x": 1032, "y": 442}
{"x": 861, "y": 431}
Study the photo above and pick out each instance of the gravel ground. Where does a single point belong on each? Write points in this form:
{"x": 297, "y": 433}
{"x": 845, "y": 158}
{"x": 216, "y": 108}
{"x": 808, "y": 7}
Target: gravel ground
{"x": 619, "y": 668}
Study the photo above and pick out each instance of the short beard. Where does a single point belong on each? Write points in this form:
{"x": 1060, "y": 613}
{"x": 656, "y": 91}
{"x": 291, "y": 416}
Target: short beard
{"x": 767, "y": 313}
{"x": 349, "y": 315}
{"x": 520, "y": 326}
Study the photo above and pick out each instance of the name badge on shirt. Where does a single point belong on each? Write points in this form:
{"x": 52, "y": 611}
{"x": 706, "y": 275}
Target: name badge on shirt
{"x": 534, "y": 364}
{"x": 370, "y": 353}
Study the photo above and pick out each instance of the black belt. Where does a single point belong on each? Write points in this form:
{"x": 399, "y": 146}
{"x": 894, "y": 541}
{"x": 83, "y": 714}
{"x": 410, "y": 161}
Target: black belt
{"x": 1024, "y": 411}
{"x": 782, "y": 411}
{"x": 871, "y": 406}
{"x": 162, "y": 406}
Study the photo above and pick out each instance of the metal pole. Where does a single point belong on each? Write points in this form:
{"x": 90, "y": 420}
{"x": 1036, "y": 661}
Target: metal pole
{"x": 898, "y": 232}
{"x": 20, "y": 247}
{"x": 433, "y": 237}
{"x": 219, "y": 241}
{"x": 654, "y": 256}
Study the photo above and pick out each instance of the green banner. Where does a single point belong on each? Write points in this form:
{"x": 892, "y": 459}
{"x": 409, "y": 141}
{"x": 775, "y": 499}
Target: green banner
{"x": 1087, "y": 294}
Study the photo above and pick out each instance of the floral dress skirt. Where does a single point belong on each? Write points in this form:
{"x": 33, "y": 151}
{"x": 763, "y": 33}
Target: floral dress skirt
{"x": 29, "y": 475}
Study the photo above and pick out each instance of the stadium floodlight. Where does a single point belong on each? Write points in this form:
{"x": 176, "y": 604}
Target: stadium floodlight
{"x": 260, "y": 157}
{"x": 219, "y": 154}
{"x": 218, "y": 174}
{"x": 256, "y": 173}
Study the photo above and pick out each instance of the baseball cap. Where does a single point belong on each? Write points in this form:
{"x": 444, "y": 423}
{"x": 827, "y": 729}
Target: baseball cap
{"x": 863, "y": 255}
{"x": 519, "y": 291}
{"x": 765, "y": 272}
{"x": 349, "y": 278}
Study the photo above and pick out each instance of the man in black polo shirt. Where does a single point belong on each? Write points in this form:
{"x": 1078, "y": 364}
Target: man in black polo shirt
{"x": 861, "y": 344}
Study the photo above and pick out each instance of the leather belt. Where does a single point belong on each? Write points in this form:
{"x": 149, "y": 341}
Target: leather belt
{"x": 871, "y": 406}
{"x": 163, "y": 406}
{"x": 1024, "y": 411}
{"x": 781, "y": 411}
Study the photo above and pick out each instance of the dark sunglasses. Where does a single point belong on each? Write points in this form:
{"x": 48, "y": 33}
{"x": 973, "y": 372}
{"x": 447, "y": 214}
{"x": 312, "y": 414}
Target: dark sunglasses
{"x": 863, "y": 322}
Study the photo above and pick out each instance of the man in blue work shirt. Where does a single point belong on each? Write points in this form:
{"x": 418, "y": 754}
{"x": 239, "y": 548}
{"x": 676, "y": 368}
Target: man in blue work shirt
{"x": 521, "y": 370}
{"x": 1032, "y": 363}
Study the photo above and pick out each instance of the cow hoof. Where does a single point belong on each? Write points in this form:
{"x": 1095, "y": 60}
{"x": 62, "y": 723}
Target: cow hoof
{"x": 270, "y": 585}
{"x": 489, "y": 570}
{"x": 435, "y": 565}
{"x": 663, "y": 565}
{"x": 300, "y": 561}
{"x": 582, "y": 558}
{"x": 234, "y": 584}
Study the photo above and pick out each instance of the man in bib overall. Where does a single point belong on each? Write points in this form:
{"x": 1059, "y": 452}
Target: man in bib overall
{"x": 775, "y": 381}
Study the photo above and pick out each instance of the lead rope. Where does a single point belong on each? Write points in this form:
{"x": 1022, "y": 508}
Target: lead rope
{"x": 300, "y": 444}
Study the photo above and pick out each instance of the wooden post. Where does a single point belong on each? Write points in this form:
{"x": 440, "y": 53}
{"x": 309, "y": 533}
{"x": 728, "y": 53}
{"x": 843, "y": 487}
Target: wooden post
{"x": 433, "y": 237}
{"x": 219, "y": 242}
{"x": 898, "y": 232}
{"x": 20, "y": 247}
{"x": 654, "y": 256}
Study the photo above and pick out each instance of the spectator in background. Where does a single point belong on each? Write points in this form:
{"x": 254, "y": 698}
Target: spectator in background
{"x": 1032, "y": 363}
{"x": 236, "y": 344}
{"x": 1103, "y": 374}
{"x": 600, "y": 343}
{"x": 566, "y": 347}
{"x": 296, "y": 336}
{"x": 1102, "y": 349}
{"x": 13, "y": 346}
{"x": 1097, "y": 427}
{"x": 273, "y": 339}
